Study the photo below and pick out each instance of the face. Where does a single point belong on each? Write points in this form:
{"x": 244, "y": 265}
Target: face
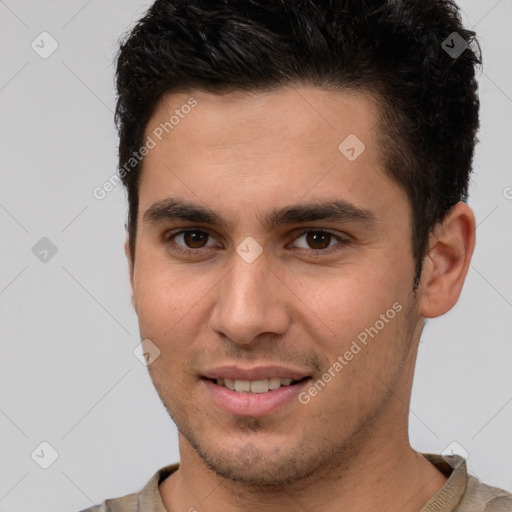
{"x": 266, "y": 252}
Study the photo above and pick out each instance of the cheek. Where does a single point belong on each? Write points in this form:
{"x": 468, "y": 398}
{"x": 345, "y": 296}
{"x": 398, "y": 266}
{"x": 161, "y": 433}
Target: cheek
{"x": 349, "y": 301}
{"x": 162, "y": 298}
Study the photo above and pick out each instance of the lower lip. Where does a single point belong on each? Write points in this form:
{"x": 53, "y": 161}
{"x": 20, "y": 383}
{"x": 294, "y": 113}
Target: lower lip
{"x": 253, "y": 404}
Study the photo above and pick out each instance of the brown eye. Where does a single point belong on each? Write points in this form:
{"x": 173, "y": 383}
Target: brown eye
{"x": 195, "y": 239}
{"x": 189, "y": 241}
{"x": 318, "y": 240}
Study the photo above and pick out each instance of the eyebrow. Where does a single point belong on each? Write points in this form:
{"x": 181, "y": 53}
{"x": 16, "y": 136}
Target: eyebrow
{"x": 335, "y": 210}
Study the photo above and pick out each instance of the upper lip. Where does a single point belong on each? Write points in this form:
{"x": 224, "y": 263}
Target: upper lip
{"x": 235, "y": 372}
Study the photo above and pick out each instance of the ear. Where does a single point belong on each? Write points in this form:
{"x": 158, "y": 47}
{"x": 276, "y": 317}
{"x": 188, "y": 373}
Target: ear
{"x": 130, "y": 268}
{"x": 446, "y": 263}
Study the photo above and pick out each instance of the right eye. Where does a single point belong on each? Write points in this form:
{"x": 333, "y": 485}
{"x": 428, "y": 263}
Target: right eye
{"x": 188, "y": 241}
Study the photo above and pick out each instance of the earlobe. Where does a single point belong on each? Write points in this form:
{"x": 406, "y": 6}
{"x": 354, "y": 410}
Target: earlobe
{"x": 446, "y": 264}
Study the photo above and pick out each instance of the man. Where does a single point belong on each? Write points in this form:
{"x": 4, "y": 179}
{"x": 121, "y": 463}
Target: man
{"x": 297, "y": 172}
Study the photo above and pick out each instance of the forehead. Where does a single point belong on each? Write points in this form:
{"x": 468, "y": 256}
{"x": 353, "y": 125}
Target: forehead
{"x": 270, "y": 147}
{"x": 300, "y": 114}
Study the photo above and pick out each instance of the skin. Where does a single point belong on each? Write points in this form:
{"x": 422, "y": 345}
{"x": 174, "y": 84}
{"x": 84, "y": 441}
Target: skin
{"x": 243, "y": 155}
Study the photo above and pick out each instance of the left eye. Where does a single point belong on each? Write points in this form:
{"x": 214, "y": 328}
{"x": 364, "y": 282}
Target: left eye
{"x": 318, "y": 240}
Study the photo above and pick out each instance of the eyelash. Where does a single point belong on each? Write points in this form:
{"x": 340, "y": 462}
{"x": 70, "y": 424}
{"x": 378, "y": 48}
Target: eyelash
{"x": 169, "y": 237}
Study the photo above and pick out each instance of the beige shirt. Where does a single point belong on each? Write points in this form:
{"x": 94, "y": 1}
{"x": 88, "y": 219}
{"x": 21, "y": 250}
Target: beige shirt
{"x": 460, "y": 493}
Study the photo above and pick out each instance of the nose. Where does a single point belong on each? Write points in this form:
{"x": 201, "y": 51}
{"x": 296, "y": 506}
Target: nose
{"x": 251, "y": 300}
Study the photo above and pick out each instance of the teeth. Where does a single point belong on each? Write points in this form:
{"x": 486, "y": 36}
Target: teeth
{"x": 254, "y": 386}
{"x": 274, "y": 383}
{"x": 243, "y": 385}
{"x": 259, "y": 386}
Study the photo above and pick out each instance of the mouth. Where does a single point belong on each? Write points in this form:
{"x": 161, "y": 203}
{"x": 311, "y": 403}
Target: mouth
{"x": 256, "y": 386}
{"x": 254, "y": 392}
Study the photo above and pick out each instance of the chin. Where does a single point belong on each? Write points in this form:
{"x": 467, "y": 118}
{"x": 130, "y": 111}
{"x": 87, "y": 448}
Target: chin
{"x": 258, "y": 462}
{"x": 252, "y": 467}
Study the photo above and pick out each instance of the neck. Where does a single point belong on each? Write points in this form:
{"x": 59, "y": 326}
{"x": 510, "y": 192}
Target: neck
{"x": 387, "y": 476}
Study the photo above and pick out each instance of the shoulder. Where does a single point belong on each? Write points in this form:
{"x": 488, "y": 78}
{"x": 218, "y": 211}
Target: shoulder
{"x": 147, "y": 500}
{"x": 480, "y": 497}
{"x": 126, "y": 503}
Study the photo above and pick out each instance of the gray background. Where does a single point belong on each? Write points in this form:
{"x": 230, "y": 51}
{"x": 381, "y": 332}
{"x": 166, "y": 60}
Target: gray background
{"x": 68, "y": 375}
